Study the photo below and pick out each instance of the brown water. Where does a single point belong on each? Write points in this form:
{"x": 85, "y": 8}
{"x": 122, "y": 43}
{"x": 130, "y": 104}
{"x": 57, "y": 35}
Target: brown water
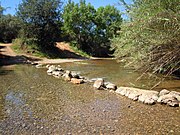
{"x": 31, "y": 102}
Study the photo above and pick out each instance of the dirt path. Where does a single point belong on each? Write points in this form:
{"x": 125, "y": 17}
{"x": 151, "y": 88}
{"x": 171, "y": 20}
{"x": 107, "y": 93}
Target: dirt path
{"x": 6, "y": 50}
{"x": 9, "y": 57}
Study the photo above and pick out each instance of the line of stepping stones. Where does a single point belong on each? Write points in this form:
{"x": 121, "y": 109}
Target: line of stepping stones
{"x": 171, "y": 98}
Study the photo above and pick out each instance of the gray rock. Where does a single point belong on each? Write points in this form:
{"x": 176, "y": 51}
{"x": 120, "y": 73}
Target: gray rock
{"x": 121, "y": 91}
{"x": 47, "y": 66}
{"x": 163, "y": 92}
{"x": 67, "y": 75}
{"x": 169, "y": 99}
{"x": 39, "y": 66}
{"x": 98, "y": 84}
{"x": 51, "y": 69}
{"x": 59, "y": 69}
{"x": 75, "y": 75}
{"x": 149, "y": 101}
{"x": 173, "y": 103}
{"x": 145, "y": 96}
{"x": 142, "y": 98}
{"x": 148, "y": 97}
{"x": 127, "y": 93}
{"x": 57, "y": 73}
{"x": 111, "y": 86}
{"x": 134, "y": 96}
{"x": 175, "y": 94}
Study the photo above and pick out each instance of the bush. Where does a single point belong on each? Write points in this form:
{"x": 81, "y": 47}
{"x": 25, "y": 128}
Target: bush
{"x": 151, "y": 39}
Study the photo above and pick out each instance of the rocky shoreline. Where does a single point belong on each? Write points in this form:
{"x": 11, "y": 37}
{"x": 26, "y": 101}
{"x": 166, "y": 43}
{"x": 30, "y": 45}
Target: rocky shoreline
{"x": 150, "y": 97}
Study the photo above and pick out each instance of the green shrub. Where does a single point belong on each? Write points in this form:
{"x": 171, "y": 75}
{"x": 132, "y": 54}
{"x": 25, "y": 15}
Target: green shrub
{"x": 28, "y": 46}
{"x": 151, "y": 39}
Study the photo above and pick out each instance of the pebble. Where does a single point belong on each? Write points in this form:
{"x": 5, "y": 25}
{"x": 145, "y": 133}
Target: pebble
{"x": 116, "y": 121}
{"x": 171, "y": 131}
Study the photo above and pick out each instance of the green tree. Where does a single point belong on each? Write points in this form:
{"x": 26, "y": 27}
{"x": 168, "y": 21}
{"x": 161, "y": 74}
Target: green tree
{"x": 41, "y": 20}
{"x": 151, "y": 38}
{"x": 78, "y": 22}
{"x": 9, "y": 28}
{"x": 107, "y": 23}
{"x": 91, "y": 28}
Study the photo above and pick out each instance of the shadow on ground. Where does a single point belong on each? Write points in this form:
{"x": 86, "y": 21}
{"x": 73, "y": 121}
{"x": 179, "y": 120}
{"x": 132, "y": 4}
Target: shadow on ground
{"x": 51, "y": 52}
{"x": 55, "y": 52}
{"x": 11, "y": 60}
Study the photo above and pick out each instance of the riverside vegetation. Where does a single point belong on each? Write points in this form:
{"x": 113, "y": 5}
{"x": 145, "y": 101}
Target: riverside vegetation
{"x": 150, "y": 39}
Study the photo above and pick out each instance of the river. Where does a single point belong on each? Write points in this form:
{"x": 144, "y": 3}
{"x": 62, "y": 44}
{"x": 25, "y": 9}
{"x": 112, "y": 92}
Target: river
{"x": 31, "y": 102}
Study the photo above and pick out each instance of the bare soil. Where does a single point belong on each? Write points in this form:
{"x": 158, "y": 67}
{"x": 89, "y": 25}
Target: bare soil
{"x": 9, "y": 57}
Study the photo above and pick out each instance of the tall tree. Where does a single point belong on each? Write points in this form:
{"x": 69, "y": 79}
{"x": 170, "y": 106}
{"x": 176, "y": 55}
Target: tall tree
{"x": 78, "y": 22}
{"x": 41, "y": 20}
{"x": 9, "y": 28}
{"x": 107, "y": 21}
{"x": 89, "y": 27}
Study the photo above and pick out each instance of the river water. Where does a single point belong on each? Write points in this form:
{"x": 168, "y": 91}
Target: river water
{"x": 31, "y": 102}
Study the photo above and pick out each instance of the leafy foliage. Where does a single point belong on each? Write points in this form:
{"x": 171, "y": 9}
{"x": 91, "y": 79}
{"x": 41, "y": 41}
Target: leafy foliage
{"x": 151, "y": 39}
{"x": 91, "y": 28}
{"x": 9, "y": 26}
{"x": 41, "y": 20}
{"x": 1, "y": 10}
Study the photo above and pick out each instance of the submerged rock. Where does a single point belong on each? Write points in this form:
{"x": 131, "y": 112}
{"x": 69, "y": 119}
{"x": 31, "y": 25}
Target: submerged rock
{"x": 99, "y": 84}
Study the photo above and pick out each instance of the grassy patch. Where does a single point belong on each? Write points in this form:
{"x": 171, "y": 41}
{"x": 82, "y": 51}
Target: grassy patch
{"x": 20, "y": 47}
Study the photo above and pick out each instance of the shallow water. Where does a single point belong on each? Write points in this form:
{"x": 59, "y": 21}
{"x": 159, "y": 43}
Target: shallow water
{"x": 31, "y": 102}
